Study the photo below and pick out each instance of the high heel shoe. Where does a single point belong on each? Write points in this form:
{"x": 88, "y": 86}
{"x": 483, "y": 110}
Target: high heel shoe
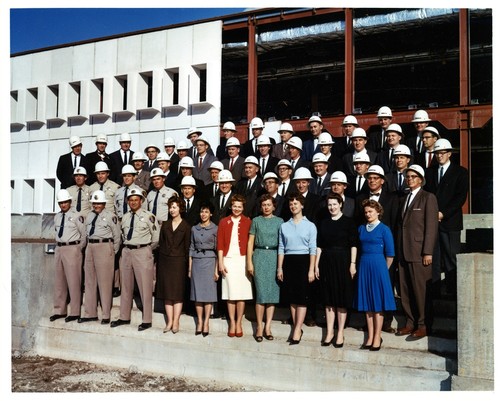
{"x": 372, "y": 348}
{"x": 339, "y": 345}
{"x": 231, "y": 334}
{"x": 295, "y": 342}
{"x": 205, "y": 333}
{"x": 197, "y": 332}
{"x": 167, "y": 329}
{"x": 326, "y": 343}
{"x": 366, "y": 346}
{"x": 240, "y": 334}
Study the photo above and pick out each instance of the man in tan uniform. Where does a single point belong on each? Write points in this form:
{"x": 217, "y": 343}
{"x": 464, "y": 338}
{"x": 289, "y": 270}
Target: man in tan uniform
{"x": 70, "y": 240}
{"x": 104, "y": 184}
{"x": 80, "y": 192}
{"x": 140, "y": 235}
{"x": 103, "y": 232}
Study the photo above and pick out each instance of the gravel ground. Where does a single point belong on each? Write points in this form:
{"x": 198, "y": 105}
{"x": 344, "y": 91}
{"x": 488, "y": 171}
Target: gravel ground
{"x": 41, "y": 374}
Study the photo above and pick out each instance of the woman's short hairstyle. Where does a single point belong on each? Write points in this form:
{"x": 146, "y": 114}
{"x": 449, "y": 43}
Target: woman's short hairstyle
{"x": 238, "y": 198}
{"x": 337, "y": 197}
{"x": 266, "y": 197}
{"x": 297, "y": 196}
{"x": 179, "y": 201}
{"x": 207, "y": 205}
{"x": 375, "y": 205}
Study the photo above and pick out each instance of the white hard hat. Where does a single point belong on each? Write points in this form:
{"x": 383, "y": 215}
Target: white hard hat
{"x": 358, "y": 133}
{"x": 402, "y": 150}
{"x": 320, "y": 158}
{"x": 417, "y": 169}
{"x": 350, "y": 120}
{"x": 395, "y": 128}
{"x": 229, "y": 126}
{"x": 302, "y": 173}
{"x": 283, "y": 162}
{"x": 375, "y": 169}
{"x": 186, "y": 161}
{"x": 263, "y": 140}
{"x": 286, "y": 127}
{"x": 128, "y": 169}
{"x": 338, "y": 176}
{"x": 361, "y": 158}
{"x": 217, "y": 165}
{"x": 384, "y": 111}
{"x": 203, "y": 139}
{"x": 163, "y": 156}
{"x": 192, "y": 131}
{"x": 188, "y": 180}
{"x": 151, "y": 146}
{"x": 325, "y": 139}
{"x": 434, "y": 131}
{"x": 101, "y": 166}
{"x": 225, "y": 176}
{"x": 233, "y": 141}
{"x": 98, "y": 197}
{"x": 295, "y": 141}
{"x": 125, "y": 137}
{"x": 421, "y": 116}
{"x": 442, "y": 144}
{"x": 74, "y": 141}
{"x": 138, "y": 156}
{"x": 268, "y": 176}
{"x": 256, "y": 123}
{"x": 182, "y": 145}
{"x": 80, "y": 170}
{"x": 63, "y": 195}
{"x": 313, "y": 119}
{"x": 252, "y": 160}
{"x": 136, "y": 192}
{"x": 169, "y": 141}
{"x": 101, "y": 138}
{"x": 156, "y": 172}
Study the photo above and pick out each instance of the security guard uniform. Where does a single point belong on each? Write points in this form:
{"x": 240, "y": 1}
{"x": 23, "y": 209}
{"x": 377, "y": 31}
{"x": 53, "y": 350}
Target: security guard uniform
{"x": 121, "y": 205}
{"x": 81, "y": 198}
{"x": 161, "y": 210}
{"x": 109, "y": 188}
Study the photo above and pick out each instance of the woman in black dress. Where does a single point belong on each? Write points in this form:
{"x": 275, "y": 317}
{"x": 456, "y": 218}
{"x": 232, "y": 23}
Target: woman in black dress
{"x": 172, "y": 269}
{"x": 336, "y": 267}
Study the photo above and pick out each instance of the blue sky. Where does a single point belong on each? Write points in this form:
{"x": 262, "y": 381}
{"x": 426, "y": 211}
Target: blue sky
{"x": 35, "y": 28}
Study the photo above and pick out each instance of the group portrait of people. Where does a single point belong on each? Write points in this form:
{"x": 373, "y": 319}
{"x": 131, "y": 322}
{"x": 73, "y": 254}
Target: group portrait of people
{"x": 367, "y": 222}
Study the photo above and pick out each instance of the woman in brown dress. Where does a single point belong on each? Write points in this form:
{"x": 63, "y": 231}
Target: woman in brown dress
{"x": 172, "y": 269}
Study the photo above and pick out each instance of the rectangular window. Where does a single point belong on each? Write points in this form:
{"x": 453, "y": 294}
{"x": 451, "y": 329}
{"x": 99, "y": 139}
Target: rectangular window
{"x": 74, "y": 99}
{"x": 28, "y": 196}
{"x": 52, "y": 102}
{"x": 120, "y": 93}
{"x": 32, "y": 104}
{"x": 145, "y": 90}
{"x": 13, "y": 106}
{"x": 48, "y": 193}
{"x": 203, "y": 85}
{"x": 199, "y": 84}
{"x": 96, "y": 97}
{"x": 171, "y": 87}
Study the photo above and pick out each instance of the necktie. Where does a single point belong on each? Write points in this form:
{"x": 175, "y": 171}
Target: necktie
{"x": 319, "y": 185}
{"x": 419, "y": 144}
{"x": 429, "y": 159}
{"x": 102, "y": 186}
{"x": 188, "y": 204}
{"x": 359, "y": 184}
{"x": 125, "y": 160}
{"x": 74, "y": 163}
{"x": 216, "y": 188}
{"x": 382, "y": 139}
{"x": 374, "y": 194}
{"x": 348, "y": 141}
{"x": 61, "y": 229}
{"x": 408, "y": 202}
{"x": 231, "y": 164}
{"x": 441, "y": 171}
{"x": 125, "y": 208}
{"x": 155, "y": 203}
{"x": 390, "y": 155}
{"x": 223, "y": 201}
{"x": 400, "y": 181}
{"x": 200, "y": 162}
{"x": 131, "y": 229}
{"x": 79, "y": 200}
{"x": 283, "y": 189}
{"x": 263, "y": 165}
{"x": 92, "y": 229}
{"x": 249, "y": 185}
{"x": 293, "y": 164}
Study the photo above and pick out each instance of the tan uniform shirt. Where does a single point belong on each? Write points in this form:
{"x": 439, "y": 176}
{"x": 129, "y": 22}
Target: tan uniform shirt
{"x": 74, "y": 229}
{"x": 145, "y": 230}
{"x": 162, "y": 202}
{"x": 109, "y": 188}
{"x": 121, "y": 201}
{"x": 85, "y": 206}
{"x": 105, "y": 226}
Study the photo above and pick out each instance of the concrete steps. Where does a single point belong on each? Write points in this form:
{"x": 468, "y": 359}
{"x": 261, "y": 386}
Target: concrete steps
{"x": 426, "y": 364}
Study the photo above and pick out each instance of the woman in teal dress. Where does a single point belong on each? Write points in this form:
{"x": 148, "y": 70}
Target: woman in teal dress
{"x": 262, "y": 259}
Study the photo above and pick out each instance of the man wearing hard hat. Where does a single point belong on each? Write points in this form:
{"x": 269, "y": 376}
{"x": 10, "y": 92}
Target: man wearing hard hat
{"x": 69, "y": 161}
{"x": 122, "y": 156}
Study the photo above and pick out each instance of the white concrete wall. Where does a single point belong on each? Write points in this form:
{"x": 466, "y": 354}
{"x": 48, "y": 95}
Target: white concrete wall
{"x": 37, "y": 145}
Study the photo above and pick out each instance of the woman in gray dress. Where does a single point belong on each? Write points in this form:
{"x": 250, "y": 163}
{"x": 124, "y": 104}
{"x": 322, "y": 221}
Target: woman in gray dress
{"x": 262, "y": 259}
{"x": 203, "y": 270}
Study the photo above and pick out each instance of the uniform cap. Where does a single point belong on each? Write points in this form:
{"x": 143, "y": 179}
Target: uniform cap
{"x": 156, "y": 172}
{"x": 135, "y": 192}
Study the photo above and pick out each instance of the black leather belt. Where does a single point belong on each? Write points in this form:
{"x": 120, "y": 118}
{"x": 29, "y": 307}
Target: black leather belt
{"x": 271, "y": 248}
{"x": 203, "y": 251}
{"x": 136, "y": 246}
{"x": 68, "y": 243}
{"x": 98, "y": 241}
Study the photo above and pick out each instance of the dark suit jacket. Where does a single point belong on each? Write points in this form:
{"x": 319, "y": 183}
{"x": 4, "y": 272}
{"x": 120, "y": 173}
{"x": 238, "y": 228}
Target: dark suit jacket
{"x": 350, "y": 191}
{"x": 193, "y": 215}
{"x": 238, "y": 167}
{"x": 64, "y": 170}
{"x": 191, "y": 152}
{"x": 308, "y": 149}
{"x": 200, "y": 187}
{"x": 221, "y": 152}
{"x": 340, "y": 148}
{"x": 271, "y": 164}
{"x": 225, "y": 211}
{"x": 417, "y": 227}
{"x": 203, "y": 173}
{"x": 451, "y": 194}
{"x": 390, "y": 203}
{"x": 420, "y": 160}
{"x": 118, "y": 161}
{"x": 385, "y": 161}
{"x": 392, "y": 183}
{"x": 325, "y": 185}
{"x": 374, "y": 139}
{"x": 146, "y": 165}
{"x": 92, "y": 159}
{"x": 278, "y": 152}
{"x": 251, "y": 195}
{"x": 300, "y": 163}
{"x": 335, "y": 163}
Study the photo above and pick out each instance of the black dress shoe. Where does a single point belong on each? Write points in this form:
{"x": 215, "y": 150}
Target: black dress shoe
{"x": 55, "y": 317}
{"x": 116, "y": 292}
{"x": 197, "y": 332}
{"x": 144, "y": 326}
{"x": 295, "y": 342}
{"x": 71, "y": 318}
{"x": 87, "y": 319}
{"x": 205, "y": 333}
{"x": 372, "y": 348}
{"x": 326, "y": 343}
{"x": 366, "y": 346}
{"x": 119, "y": 322}
{"x": 336, "y": 345}
{"x": 105, "y": 321}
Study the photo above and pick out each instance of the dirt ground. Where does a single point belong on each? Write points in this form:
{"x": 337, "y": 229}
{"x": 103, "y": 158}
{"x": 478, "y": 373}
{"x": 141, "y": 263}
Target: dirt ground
{"x": 41, "y": 374}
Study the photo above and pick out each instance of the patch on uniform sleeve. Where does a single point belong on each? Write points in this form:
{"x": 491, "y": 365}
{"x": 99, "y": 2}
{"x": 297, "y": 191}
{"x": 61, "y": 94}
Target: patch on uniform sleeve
{"x": 81, "y": 219}
{"x": 115, "y": 220}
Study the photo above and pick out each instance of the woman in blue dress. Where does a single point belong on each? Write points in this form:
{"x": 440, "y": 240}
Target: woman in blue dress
{"x": 374, "y": 291}
{"x": 262, "y": 259}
